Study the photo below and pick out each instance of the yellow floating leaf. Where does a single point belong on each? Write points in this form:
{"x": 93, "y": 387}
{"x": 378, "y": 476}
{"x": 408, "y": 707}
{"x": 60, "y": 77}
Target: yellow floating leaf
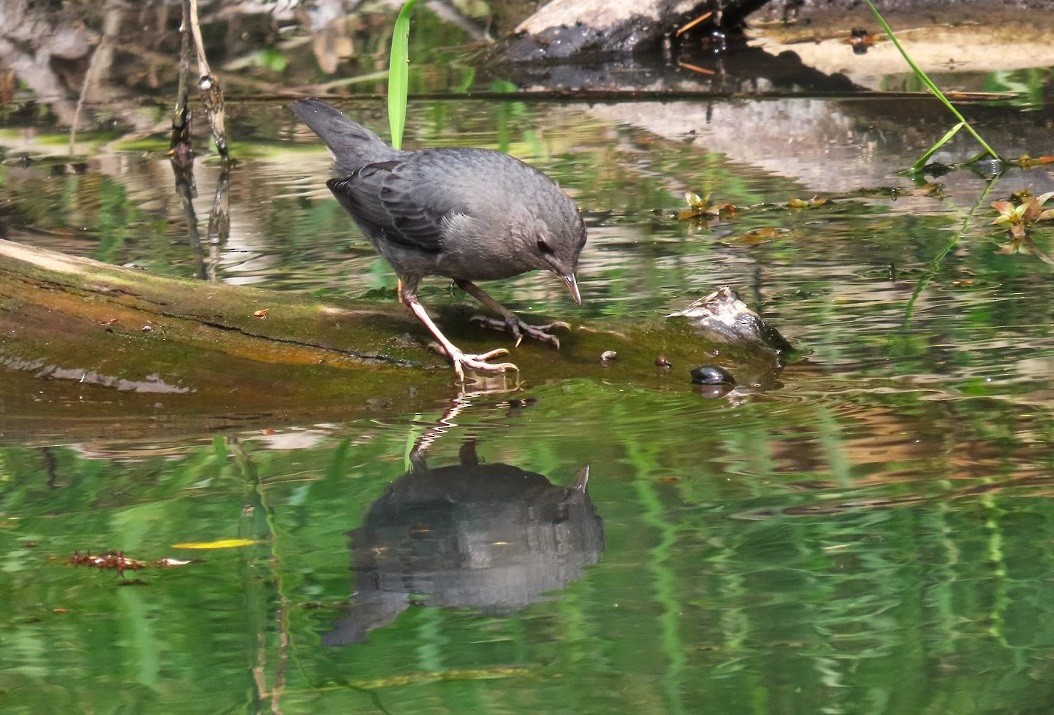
{"x": 221, "y": 544}
{"x": 695, "y": 201}
{"x": 801, "y": 204}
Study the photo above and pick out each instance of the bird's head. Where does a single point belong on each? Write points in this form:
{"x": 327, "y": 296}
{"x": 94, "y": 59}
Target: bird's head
{"x": 556, "y": 242}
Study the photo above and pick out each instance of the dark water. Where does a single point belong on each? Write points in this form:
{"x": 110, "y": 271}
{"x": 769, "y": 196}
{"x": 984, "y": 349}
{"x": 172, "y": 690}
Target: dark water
{"x": 871, "y": 535}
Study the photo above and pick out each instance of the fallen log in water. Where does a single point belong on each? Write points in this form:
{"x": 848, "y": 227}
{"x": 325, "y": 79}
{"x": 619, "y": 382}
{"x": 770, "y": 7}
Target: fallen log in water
{"x": 83, "y": 339}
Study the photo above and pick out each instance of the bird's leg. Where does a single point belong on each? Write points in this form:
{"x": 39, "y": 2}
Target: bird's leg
{"x": 510, "y": 321}
{"x": 477, "y": 363}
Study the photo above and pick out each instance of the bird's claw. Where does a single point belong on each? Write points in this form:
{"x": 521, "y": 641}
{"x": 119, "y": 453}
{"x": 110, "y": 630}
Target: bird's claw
{"x": 520, "y": 329}
{"x": 476, "y": 363}
{"x": 479, "y": 364}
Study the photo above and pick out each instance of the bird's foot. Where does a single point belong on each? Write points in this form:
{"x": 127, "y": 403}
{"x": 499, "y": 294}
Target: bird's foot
{"x": 519, "y": 329}
{"x": 475, "y": 363}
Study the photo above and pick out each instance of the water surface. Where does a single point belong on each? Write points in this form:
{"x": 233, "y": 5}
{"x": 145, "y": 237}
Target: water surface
{"x": 870, "y": 535}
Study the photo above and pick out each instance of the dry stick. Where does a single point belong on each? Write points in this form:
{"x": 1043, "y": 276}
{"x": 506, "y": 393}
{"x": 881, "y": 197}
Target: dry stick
{"x": 693, "y": 23}
{"x": 209, "y": 86}
{"x": 89, "y": 79}
{"x": 80, "y": 100}
{"x": 111, "y": 27}
{"x": 695, "y": 68}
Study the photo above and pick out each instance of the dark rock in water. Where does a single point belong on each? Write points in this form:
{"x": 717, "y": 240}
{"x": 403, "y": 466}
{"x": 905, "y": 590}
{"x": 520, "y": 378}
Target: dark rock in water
{"x": 485, "y": 536}
{"x": 723, "y": 316}
{"x": 937, "y": 169}
{"x": 564, "y": 29}
{"x": 710, "y": 375}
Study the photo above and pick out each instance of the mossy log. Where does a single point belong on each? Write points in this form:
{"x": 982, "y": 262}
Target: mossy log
{"x": 85, "y": 339}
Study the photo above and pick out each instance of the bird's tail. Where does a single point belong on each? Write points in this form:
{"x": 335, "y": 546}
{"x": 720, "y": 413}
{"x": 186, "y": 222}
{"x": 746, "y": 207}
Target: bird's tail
{"x": 352, "y": 144}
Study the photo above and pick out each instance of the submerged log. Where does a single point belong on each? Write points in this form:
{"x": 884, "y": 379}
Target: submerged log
{"x": 94, "y": 338}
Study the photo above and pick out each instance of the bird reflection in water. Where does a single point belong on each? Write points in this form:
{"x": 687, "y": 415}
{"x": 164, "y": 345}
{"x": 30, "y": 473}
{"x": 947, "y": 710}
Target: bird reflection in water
{"x": 487, "y": 536}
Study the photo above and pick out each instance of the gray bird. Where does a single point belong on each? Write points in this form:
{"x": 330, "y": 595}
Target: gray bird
{"x": 467, "y": 214}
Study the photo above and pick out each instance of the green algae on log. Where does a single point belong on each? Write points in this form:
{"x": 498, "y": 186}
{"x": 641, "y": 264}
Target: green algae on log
{"x": 91, "y": 337}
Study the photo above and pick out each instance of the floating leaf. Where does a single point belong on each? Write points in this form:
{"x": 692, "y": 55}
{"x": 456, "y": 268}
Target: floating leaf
{"x": 765, "y": 233}
{"x": 1017, "y": 217}
{"x": 221, "y": 544}
{"x": 699, "y": 208}
{"x": 170, "y": 562}
{"x": 697, "y": 202}
{"x": 1027, "y": 162}
{"x": 114, "y": 560}
{"x": 929, "y": 188}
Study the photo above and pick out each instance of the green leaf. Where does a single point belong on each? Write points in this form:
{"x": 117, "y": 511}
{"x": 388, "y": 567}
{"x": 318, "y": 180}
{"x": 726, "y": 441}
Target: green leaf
{"x": 399, "y": 74}
{"x": 924, "y": 159}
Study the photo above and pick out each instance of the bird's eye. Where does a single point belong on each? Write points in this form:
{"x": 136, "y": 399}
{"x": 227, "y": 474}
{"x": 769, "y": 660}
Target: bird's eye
{"x": 544, "y": 247}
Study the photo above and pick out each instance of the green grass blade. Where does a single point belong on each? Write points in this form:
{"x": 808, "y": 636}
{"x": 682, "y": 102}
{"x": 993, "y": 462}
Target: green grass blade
{"x": 925, "y": 79}
{"x": 924, "y": 159}
{"x": 399, "y": 74}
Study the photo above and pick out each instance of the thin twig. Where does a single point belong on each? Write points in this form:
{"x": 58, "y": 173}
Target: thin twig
{"x": 199, "y": 43}
{"x": 208, "y": 85}
{"x": 693, "y": 23}
{"x": 89, "y": 79}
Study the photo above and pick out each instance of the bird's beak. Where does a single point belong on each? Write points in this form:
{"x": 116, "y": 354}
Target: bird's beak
{"x": 572, "y": 286}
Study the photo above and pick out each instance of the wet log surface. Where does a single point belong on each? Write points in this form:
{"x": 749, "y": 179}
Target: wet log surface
{"x": 102, "y": 341}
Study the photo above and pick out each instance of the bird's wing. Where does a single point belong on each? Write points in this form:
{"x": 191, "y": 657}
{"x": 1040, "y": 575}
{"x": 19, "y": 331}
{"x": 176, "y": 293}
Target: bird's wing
{"x": 410, "y": 201}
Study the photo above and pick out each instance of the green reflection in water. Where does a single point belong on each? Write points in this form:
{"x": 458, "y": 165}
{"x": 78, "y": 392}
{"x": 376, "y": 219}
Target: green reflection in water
{"x": 745, "y": 583}
{"x": 871, "y": 536}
